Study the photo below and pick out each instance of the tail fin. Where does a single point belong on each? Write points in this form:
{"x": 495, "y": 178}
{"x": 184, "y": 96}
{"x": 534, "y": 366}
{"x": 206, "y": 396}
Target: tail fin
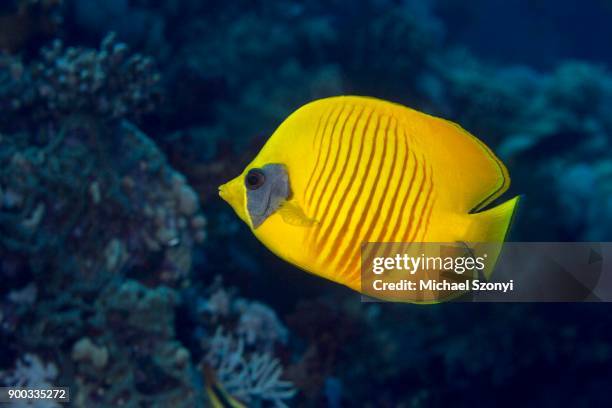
{"x": 490, "y": 228}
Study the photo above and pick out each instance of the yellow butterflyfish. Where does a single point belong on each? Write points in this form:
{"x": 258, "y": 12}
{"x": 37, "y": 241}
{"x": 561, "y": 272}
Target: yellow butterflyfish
{"x": 347, "y": 170}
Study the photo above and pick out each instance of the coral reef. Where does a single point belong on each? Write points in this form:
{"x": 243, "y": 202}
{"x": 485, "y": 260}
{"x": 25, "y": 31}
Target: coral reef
{"x": 242, "y": 342}
{"x": 97, "y": 230}
{"x": 30, "y": 372}
{"x": 61, "y": 202}
{"x": 106, "y": 83}
{"x": 136, "y": 358}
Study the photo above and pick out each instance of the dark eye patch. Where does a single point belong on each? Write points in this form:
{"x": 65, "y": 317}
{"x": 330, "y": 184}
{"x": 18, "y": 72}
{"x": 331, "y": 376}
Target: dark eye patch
{"x": 254, "y": 179}
{"x": 267, "y": 187}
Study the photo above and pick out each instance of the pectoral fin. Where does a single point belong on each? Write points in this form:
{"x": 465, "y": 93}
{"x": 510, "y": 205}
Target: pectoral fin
{"x": 293, "y": 214}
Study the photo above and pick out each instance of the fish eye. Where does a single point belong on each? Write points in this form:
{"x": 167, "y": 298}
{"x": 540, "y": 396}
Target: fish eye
{"x": 254, "y": 179}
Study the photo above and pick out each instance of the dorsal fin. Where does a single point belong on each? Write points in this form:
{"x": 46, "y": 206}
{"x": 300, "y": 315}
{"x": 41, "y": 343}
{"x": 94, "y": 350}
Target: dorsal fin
{"x": 464, "y": 166}
{"x": 503, "y": 178}
{"x": 467, "y": 172}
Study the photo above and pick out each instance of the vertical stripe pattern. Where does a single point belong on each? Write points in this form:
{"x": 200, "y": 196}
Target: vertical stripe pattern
{"x": 367, "y": 185}
{"x": 318, "y": 140}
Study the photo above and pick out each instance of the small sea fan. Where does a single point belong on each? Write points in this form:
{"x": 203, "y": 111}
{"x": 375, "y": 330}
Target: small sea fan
{"x": 248, "y": 377}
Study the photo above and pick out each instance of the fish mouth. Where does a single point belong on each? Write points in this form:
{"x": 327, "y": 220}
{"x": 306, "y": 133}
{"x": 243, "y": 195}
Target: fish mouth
{"x": 232, "y": 193}
{"x": 223, "y": 192}
{"x": 227, "y": 192}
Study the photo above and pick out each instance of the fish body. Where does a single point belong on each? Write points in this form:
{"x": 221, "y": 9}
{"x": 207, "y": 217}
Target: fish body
{"x": 347, "y": 170}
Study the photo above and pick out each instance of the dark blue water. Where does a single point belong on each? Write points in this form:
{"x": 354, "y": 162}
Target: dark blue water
{"x": 125, "y": 277}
